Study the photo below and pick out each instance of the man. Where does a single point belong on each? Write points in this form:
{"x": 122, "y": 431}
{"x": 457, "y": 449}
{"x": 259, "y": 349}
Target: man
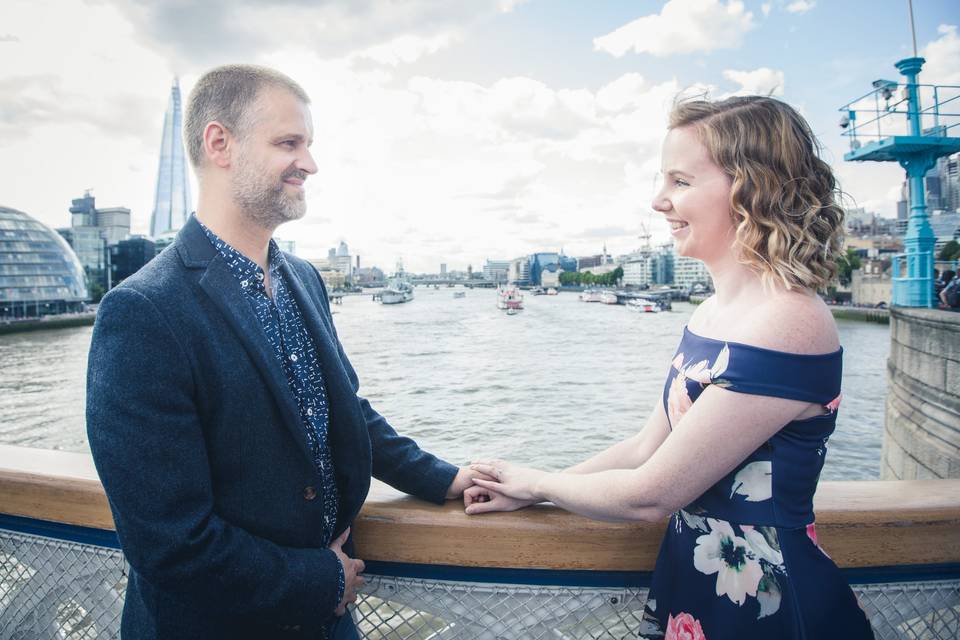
{"x": 222, "y": 411}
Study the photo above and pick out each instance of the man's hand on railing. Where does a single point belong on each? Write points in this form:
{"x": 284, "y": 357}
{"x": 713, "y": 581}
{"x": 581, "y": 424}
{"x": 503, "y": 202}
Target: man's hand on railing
{"x": 463, "y": 480}
{"x": 352, "y": 568}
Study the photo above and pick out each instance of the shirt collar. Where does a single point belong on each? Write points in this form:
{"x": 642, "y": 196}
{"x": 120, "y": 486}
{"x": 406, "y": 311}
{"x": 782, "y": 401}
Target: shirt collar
{"x": 243, "y": 268}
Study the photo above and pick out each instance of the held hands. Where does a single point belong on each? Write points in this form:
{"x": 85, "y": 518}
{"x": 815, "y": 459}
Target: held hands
{"x": 478, "y": 500}
{"x": 351, "y": 573}
{"x": 503, "y": 479}
{"x": 464, "y": 480}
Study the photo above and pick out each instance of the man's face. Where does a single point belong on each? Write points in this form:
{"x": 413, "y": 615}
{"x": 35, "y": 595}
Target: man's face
{"x": 274, "y": 160}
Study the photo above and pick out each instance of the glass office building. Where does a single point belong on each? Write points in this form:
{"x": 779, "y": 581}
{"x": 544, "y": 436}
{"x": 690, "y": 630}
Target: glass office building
{"x": 39, "y": 273}
{"x": 172, "y": 201}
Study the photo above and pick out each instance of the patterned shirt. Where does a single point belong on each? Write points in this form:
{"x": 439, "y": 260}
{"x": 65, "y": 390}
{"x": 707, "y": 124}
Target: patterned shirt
{"x": 284, "y": 329}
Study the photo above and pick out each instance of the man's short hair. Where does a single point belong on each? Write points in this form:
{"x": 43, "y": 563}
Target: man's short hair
{"x": 226, "y": 95}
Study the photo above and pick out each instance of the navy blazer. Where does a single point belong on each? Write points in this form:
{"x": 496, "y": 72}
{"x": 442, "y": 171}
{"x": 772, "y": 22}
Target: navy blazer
{"x": 204, "y": 458}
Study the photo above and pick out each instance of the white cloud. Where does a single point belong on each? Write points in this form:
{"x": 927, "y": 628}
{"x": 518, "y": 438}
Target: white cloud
{"x": 202, "y": 34}
{"x": 682, "y": 26}
{"x": 765, "y": 9}
{"x": 625, "y": 91}
{"x": 801, "y": 6}
{"x": 763, "y": 81}
{"x": 943, "y": 57}
{"x": 407, "y": 48}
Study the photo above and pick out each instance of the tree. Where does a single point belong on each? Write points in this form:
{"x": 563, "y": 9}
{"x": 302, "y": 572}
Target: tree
{"x": 846, "y": 265}
{"x": 950, "y": 251}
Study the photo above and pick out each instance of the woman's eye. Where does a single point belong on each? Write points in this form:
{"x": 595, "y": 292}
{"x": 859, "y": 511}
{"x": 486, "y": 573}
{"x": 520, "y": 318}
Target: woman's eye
{"x": 681, "y": 183}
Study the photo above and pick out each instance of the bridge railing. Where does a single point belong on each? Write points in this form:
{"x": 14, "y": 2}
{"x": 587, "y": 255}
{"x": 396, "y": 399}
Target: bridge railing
{"x": 434, "y": 572}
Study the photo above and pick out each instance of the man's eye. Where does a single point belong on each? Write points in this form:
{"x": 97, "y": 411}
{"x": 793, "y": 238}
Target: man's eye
{"x": 289, "y": 143}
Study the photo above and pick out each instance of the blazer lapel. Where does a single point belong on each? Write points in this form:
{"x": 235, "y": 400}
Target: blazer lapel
{"x": 345, "y": 411}
{"x": 222, "y": 287}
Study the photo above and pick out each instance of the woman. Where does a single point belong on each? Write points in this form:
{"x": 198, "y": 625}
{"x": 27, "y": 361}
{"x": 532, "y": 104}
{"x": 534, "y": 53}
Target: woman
{"x": 734, "y": 448}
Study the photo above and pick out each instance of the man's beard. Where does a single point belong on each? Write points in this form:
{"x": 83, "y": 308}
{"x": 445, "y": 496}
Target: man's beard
{"x": 264, "y": 202}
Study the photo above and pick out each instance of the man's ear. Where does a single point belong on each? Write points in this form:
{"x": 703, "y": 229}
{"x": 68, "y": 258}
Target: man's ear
{"x": 218, "y": 143}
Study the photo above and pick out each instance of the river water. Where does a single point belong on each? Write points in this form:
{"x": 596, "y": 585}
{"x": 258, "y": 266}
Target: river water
{"x": 549, "y": 386}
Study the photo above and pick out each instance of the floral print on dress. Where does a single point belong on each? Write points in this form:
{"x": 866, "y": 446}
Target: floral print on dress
{"x": 678, "y": 398}
{"x": 754, "y": 482}
{"x": 684, "y": 627}
{"x": 746, "y": 565}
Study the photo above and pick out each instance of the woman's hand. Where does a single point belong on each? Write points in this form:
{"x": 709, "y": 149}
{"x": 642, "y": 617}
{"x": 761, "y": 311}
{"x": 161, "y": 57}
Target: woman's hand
{"x": 478, "y": 499}
{"x": 512, "y": 481}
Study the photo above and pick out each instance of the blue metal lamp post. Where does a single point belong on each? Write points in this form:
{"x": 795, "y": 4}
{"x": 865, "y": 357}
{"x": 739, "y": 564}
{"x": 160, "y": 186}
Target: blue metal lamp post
{"x": 917, "y": 153}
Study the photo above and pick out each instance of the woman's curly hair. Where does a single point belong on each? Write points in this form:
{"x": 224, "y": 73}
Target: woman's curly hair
{"x": 784, "y": 198}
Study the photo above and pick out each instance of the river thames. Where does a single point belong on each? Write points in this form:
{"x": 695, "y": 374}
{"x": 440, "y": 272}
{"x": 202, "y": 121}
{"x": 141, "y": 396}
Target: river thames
{"x": 559, "y": 381}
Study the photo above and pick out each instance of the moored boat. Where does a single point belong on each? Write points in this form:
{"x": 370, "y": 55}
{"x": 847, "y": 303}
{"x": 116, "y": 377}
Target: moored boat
{"x": 643, "y": 305}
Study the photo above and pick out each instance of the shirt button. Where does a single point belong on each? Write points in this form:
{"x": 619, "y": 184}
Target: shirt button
{"x": 259, "y": 276}
{"x": 244, "y": 284}
{"x": 309, "y": 412}
{"x": 293, "y": 357}
{"x": 309, "y": 493}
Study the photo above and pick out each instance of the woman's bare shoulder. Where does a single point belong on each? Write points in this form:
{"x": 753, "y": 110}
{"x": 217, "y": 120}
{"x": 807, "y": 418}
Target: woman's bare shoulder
{"x": 794, "y": 322}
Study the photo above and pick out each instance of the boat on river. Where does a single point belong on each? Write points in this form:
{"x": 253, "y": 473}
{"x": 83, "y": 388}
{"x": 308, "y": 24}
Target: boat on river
{"x": 509, "y": 297}
{"x": 643, "y": 305}
{"x": 609, "y": 297}
{"x": 590, "y": 295}
{"x": 398, "y": 291}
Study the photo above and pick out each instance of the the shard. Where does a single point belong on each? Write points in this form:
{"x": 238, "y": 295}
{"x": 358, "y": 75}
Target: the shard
{"x": 172, "y": 204}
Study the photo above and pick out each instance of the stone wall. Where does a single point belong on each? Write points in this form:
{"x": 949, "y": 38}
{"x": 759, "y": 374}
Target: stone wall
{"x": 922, "y": 428}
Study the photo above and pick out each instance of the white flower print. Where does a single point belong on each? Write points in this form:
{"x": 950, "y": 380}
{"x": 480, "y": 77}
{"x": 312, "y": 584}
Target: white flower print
{"x": 759, "y": 545}
{"x": 754, "y": 482}
{"x": 720, "y": 364}
{"x": 728, "y": 555}
{"x": 699, "y": 372}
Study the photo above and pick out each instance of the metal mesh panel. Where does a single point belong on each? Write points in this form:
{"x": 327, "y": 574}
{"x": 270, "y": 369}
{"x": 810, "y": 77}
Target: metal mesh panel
{"x": 407, "y": 608}
{"x": 56, "y": 589}
{"x": 53, "y": 589}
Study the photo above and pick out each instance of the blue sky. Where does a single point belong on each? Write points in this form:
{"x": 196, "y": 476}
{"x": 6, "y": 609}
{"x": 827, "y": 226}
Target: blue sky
{"x": 446, "y": 131}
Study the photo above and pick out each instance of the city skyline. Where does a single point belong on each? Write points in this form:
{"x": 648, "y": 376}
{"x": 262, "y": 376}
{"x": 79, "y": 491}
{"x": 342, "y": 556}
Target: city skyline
{"x": 446, "y": 134}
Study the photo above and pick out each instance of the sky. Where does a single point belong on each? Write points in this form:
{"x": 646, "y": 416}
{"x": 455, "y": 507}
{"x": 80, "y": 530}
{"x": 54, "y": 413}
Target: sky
{"x": 446, "y": 131}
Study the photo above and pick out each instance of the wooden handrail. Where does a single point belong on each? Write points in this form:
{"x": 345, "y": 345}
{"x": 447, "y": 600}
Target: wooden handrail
{"x": 859, "y": 523}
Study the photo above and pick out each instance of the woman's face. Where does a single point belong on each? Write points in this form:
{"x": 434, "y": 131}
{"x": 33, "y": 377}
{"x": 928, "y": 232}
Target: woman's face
{"x": 695, "y": 198}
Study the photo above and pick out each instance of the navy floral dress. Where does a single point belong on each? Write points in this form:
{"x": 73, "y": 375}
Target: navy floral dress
{"x": 742, "y": 560}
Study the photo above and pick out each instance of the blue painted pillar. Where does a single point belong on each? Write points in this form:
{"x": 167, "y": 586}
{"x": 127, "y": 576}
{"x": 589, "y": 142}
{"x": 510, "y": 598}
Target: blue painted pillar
{"x": 919, "y": 240}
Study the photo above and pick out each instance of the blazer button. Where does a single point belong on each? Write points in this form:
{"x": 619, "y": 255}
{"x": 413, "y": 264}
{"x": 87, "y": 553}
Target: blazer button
{"x": 309, "y": 493}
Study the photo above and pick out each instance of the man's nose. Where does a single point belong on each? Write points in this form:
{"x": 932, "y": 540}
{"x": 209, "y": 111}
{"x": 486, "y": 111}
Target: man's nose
{"x": 307, "y": 163}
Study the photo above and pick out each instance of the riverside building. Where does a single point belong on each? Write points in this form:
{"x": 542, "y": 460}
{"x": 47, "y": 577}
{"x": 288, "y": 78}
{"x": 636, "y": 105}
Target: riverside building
{"x": 39, "y": 272}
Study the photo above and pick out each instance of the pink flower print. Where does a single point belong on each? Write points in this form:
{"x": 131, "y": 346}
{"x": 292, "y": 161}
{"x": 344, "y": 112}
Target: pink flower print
{"x": 812, "y": 534}
{"x": 677, "y": 362}
{"x": 684, "y": 627}
{"x": 678, "y": 400}
{"x": 834, "y": 404}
